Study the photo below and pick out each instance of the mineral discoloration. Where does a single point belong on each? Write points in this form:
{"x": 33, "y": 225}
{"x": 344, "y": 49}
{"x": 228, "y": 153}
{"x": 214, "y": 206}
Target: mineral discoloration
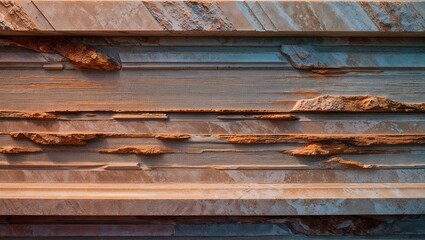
{"x": 14, "y": 150}
{"x": 361, "y": 140}
{"x": 278, "y": 117}
{"x": 355, "y": 104}
{"x": 56, "y": 138}
{"x": 145, "y": 150}
{"x": 172, "y": 136}
{"x": 28, "y": 115}
{"x": 81, "y": 55}
{"x": 339, "y": 163}
{"x": 13, "y": 18}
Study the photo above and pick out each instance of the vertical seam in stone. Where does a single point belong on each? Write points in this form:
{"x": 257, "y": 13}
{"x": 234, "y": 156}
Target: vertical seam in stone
{"x": 253, "y": 18}
{"x": 42, "y": 14}
{"x": 266, "y": 15}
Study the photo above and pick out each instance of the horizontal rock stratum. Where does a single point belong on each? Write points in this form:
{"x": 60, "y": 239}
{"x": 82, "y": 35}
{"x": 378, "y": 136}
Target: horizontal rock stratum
{"x": 229, "y": 17}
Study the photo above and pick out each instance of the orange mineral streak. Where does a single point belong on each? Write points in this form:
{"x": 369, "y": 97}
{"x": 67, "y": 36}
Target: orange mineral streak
{"x": 28, "y": 115}
{"x": 278, "y": 117}
{"x": 12, "y": 150}
{"x": 172, "y": 136}
{"x": 316, "y": 149}
{"x": 354, "y": 140}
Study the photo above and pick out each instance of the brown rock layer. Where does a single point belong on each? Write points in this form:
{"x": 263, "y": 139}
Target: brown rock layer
{"x": 355, "y": 104}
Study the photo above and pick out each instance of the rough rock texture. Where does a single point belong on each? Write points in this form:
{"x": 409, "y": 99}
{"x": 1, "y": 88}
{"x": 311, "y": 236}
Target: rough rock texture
{"x": 191, "y": 17}
{"x": 14, "y": 18}
{"x": 12, "y": 150}
{"x": 219, "y": 108}
{"x": 355, "y": 104}
{"x": 81, "y": 55}
{"x": 29, "y": 115}
{"x": 326, "y": 149}
{"x": 56, "y": 138}
{"x": 339, "y": 163}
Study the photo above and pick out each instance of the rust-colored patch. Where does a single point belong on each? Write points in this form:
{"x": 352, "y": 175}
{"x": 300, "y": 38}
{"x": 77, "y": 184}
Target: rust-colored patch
{"x": 145, "y": 150}
{"x": 57, "y": 138}
{"x": 172, "y": 136}
{"x": 355, "y": 104}
{"x": 83, "y": 56}
{"x": 361, "y": 140}
{"x": 30, "y": 115}
{"x": 339, "y": 163}
{"x": 278, "y": 117}
{"x": 13, "y": 150}
{"x": 13, "y": 18}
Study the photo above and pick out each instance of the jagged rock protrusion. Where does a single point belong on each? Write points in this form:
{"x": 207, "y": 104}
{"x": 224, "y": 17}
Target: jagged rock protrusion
{"x": 14, "y": 150}
{"x": 145, "y": 150}
{"x": 81, "y": 55}
{"x": 57, "y": 138}
{"x": 355, "y": 104}
{"x": 339, "y": 163}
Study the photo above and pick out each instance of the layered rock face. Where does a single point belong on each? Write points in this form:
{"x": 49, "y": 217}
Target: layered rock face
{"x": 212, "y": 119}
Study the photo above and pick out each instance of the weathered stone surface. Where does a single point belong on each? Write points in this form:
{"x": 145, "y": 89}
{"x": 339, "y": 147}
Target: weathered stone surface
{"x": 231, "y": 17}
{"x": 211, "y": 199}
{"x": 81, "y": 55}
{"x": 171, "y": 227}
{"x": 219, "y": 126}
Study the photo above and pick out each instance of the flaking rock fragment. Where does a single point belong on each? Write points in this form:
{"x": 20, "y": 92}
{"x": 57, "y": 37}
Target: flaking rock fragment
{"x": 339, "y": 163}
{"x": 355, "y": 104}
{"x": 316, "y": 149}
{"x": 29, "y": 115}
{"x": 145, "y": 150}
{"x": 81, "y": 55}
{"x": 172, "y": 136}
{"x": 56, "y": 138}
{"x": 14, "y": 150}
